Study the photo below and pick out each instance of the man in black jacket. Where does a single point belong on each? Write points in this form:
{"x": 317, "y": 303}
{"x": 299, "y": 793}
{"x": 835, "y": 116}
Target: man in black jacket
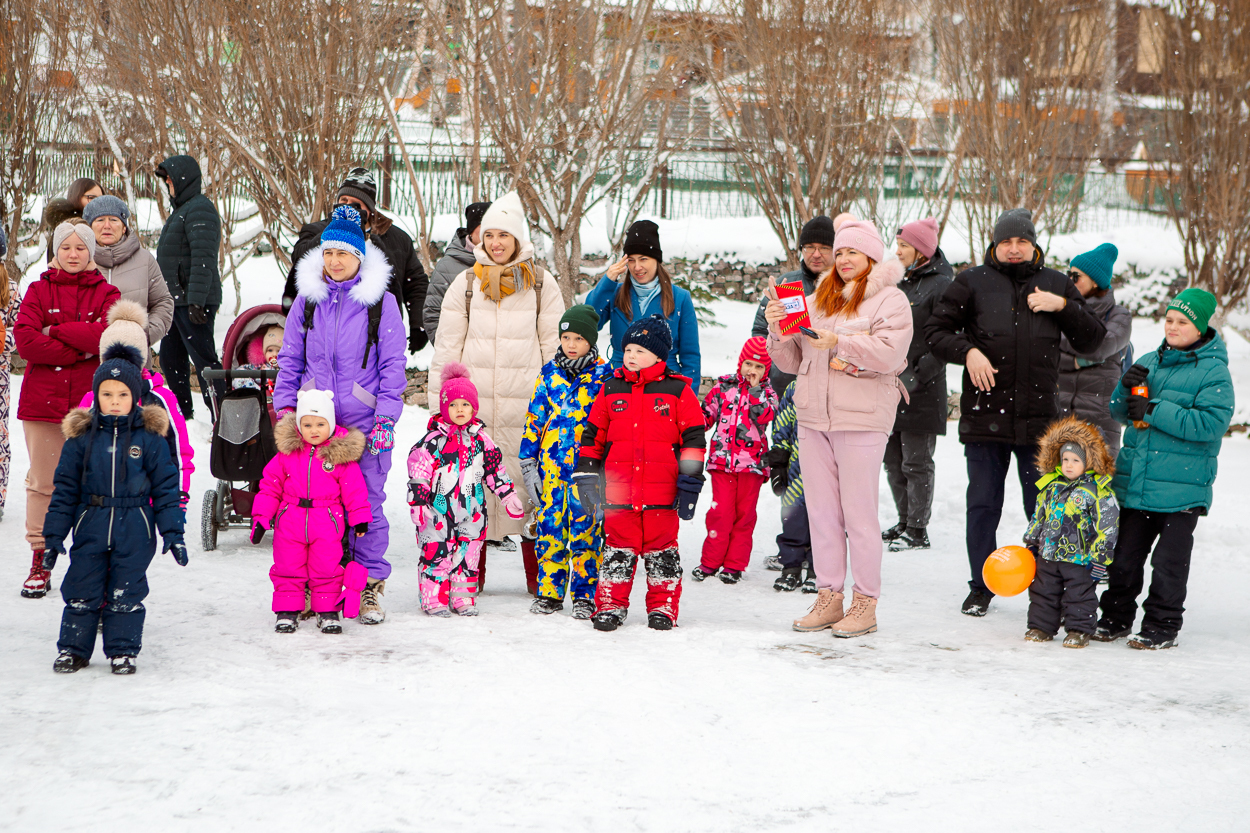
{"x": 408, "y": 280}
{"x": 187, "y": 256}
{"x": 1002, "y": 321}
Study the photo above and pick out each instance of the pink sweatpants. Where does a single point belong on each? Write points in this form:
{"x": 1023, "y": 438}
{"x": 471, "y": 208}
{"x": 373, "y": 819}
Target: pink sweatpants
{"x": 841, "y": 478}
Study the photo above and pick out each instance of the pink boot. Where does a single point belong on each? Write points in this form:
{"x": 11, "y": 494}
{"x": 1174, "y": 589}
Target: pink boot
{"x": 860, "y": 618}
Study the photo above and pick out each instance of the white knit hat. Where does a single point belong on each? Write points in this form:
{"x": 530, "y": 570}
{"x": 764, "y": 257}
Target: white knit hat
{"x": 315, "y": 402}
{"x": 507, "y": 214}
{"x": 80, "y": 230}
{"x": 128, "y": 324}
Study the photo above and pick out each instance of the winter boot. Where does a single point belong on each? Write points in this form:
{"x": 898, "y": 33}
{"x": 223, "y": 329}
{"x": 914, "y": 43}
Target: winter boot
{"x": 67, "y": 663}
{"x": 1037, "y": 635}
{"x": 1075, "y": 640}
{"x": 658, "y": 621}
{"x": 36, "y": 584}
{"x": 371, "y": 612}
{"x": 1142, "y": 642}
{"x": 504, "y": 544}
{"x": 583, "y": 608}
{"x": 773, "y": 562}
{"x": 439, "y": 612}
{"x": 860, "y": 618}
{"x": 288, "y": 621}
{"x": 976, "y": 604}
{"x": 914, "y": 538}
{"x": 699, "y": 572}
{"x": 1108, "y": 633}
{"x": 329, "y": 622}
{"x": 789, "y": 580}
{"x": 731, "y": 576}
{"x": 465, "y": 607}
{"x": 546, "y": 606}
{"x": 894, "y": 533}
{"x": 825, "y": 613}
{"x": 609, "y": 620}
{"x": 809, "y": 583}
{"x": 529, "y": 560}
{"x": 124, "y": 665}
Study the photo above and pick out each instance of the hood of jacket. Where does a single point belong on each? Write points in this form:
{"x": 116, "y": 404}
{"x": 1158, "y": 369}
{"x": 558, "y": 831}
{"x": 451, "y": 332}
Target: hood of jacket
{"x": 87, "y": 277}
{"x": 1072, "y": 430}
{"x": 936, "y": 265}
{"x": 184, "y": 172}
{"x": 1211, "y": 347}
{"x": 58, "y": 210}
{"x": 78, "y": 421}
{"x": 366, "y": 288}
{"x": 459, "y": 250}
{"x": 346, "y": 445}
{"x": 884, "y": 274}
{"x": 108, "y": 257}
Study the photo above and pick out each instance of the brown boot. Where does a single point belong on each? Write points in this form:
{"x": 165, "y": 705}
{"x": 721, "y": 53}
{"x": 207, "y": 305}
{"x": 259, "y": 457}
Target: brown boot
{"x": 824, "y": 613}
{"x": 36, "y": 584}
{"x": 860, "y": 619}
{"x": 371, "y": 612}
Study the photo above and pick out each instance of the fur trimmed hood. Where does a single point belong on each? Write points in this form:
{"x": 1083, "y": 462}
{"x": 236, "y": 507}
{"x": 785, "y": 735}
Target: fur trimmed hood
{"x": 371, "y": 283}
{"x": 78, "y": 421}
{"x": 347, "y": 445}
{"x": 884, "y": 274}
{"x": 1073, "y": 430}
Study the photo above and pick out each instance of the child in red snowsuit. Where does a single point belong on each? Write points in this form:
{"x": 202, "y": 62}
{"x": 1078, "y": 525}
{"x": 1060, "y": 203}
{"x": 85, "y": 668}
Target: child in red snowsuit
{"x": 641, "y": 462}
{"x": 738, "y": 409}
{"x": 311, "y": 492}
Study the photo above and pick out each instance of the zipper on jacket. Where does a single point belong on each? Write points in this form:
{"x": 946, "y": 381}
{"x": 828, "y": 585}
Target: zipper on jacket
{"x": 113, "y": 485}
{"x": 312, "y": 452}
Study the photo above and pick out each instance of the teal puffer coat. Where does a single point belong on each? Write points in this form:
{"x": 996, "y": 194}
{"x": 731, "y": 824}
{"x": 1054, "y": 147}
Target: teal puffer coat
{"x": 1170, "y": 466}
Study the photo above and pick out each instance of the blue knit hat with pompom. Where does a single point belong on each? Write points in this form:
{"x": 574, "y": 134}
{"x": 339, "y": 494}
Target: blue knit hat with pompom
{"x": 120, "y": 363}
{"x": 345, "y": 232}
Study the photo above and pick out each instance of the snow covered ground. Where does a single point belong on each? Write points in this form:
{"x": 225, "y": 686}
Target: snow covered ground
{"x": 732, "y": 722}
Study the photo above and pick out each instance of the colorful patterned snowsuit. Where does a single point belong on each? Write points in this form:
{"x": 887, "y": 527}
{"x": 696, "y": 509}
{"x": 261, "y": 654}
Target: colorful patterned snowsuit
{"x": 10, "y": 319}
{"x": 568, "y": 540}
{"x": 794, "y": 542}
{"x": 737, "y": 419}
{"x": 449, "y": 471}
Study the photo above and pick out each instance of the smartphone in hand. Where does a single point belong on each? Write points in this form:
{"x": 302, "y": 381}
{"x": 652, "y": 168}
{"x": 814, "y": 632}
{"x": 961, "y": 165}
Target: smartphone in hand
{"x": 808, "y": 331}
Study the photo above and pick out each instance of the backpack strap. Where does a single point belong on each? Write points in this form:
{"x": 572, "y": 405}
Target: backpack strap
{"x": 310, "y": 307}
{"x": 375, "y": 324}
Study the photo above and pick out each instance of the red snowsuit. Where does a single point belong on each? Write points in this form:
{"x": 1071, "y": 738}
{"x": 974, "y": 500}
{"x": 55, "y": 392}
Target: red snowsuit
{"x": 304, "y": 495}
{"x": 640, "y": 427}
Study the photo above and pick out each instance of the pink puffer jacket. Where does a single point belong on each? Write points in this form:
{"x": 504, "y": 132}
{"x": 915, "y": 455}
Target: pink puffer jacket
{"x": 872, "y": 343}
{"x": 326, "y": 478}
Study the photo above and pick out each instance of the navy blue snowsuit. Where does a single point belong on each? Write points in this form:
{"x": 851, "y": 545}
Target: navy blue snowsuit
{"x": 115, "y": 486}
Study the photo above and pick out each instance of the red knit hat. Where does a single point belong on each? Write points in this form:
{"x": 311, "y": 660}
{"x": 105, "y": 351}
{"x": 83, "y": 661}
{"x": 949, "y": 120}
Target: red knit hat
{"x": 756, "y": 350}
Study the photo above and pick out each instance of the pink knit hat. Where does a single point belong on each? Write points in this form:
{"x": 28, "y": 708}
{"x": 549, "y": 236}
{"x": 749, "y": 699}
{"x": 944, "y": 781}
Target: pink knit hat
{"x": 921, "y": 235}
{"x": 859, "y": 235}
{"x": 456, "y": 384}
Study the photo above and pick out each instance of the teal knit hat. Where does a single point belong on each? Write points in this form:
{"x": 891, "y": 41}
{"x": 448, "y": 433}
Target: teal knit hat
{"x": 1098, "y": 264}
{"x": 581, "y": 319}
{"x": 1197, "y": 305}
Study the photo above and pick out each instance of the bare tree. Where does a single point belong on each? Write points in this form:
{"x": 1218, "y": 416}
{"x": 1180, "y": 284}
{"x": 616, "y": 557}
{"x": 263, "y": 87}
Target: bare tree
{"x": 1207, "y": 83}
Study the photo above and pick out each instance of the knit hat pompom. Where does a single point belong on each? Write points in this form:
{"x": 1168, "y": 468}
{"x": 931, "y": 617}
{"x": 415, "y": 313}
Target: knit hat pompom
{"x": 121, "y": 362}
{"x": 456, "y": 384}
{"x": 344, "y": 232}
{"x": 651, "y": 334}
{"x": 842, "y": 219}
{"x": 127, "y": 324}
{"x": 756, "y": 350}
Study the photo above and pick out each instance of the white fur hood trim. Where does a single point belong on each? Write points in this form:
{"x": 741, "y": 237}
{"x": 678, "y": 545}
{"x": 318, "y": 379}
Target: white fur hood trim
{"x": 375, "y": 277}
{"x": 884, "y": 274}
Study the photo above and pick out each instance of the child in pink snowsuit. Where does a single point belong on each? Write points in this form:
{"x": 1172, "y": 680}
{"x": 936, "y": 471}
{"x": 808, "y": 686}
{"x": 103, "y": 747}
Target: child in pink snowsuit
{"x": 737, "y": 409}
{"x": 449, "y": 470}
{"x": 311, "y": 492}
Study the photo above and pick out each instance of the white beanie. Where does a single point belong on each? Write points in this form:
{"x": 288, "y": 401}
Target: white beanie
{"x": 127, "y": 324}
{"x": 315, "y": 402}
{"x": 80, "y": 230}
{"x": 507, "y": 214}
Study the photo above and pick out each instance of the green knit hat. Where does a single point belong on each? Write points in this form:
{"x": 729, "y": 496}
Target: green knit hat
{"x": 1098, "y": 264}
{"x": 583, "y": 320}
{"x": 1197, "y": 305}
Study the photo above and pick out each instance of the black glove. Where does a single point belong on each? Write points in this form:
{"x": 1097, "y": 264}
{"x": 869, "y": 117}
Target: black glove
{"x": 51, "y": 549}
{"x": 779, "y": 480}
{"x": 776, "y": 458}
{"x": 1134, "y": 377}
{"x": 910, "y": 380}
{"x": 173, "y": 543}
{"x": 258, "y": 532}
{"x": 361, "y": 528}
{"x": 196, "y": 314}
{"x": 1137, "y": 407}
{"x": 589, "y": 492}
{"x": 688, "y": 488}
{"x": 416, "y": 340}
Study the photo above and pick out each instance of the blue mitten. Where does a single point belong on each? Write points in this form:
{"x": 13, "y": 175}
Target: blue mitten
{"x": 688, "y": 488}
{"x": 173, "y": 543}
{"x": 1098, "y": 572}
{"x": 52, "y": 547}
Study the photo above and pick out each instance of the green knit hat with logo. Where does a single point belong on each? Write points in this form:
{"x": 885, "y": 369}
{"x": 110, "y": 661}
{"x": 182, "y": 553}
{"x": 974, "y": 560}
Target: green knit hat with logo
{"x": 583, "y": 320}
{"x": 1197, "y": 305}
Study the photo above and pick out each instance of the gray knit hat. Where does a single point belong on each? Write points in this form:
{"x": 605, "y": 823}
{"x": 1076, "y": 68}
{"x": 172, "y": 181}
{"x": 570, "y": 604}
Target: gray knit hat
{"x": 1015, "y": 222}
{"x": 80, "y": 229}
{"x": 106, "y": 206}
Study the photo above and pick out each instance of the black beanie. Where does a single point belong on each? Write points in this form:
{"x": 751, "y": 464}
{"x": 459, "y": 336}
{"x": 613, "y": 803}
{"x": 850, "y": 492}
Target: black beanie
{"x": 1015, "y": 222}
{"x": 643, "y": 238}
{"x": 818, "y": 231}
{"x": 650, "y": 334}
{"x": 359, "y": 183}
{"x": 473, "y": 216}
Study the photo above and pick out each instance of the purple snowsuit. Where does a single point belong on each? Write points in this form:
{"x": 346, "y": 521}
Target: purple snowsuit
{"x": 328, "y": 356}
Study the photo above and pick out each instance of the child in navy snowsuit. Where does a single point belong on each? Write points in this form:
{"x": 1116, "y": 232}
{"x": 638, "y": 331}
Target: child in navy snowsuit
{"x": 116, "y": 486}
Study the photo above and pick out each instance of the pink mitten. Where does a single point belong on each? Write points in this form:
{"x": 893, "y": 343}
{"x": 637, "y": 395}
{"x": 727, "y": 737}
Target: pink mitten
{"x": 512, "y": 505}
{"x": 355, "y": 578}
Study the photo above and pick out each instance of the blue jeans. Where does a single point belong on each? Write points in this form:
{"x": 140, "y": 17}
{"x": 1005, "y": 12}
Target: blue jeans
{"x": 987, "y": 475}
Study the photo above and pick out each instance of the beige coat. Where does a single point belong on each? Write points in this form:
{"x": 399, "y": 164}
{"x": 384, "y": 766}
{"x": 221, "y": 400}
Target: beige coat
{"x": 504, "y": 346}
{"x": 132, "y": 269}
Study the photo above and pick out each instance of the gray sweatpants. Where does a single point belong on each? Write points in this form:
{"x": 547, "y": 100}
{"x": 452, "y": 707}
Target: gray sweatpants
{"x": 909, "y": 470}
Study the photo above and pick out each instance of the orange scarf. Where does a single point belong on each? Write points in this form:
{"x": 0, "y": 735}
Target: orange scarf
{"x": 498, "y": 282}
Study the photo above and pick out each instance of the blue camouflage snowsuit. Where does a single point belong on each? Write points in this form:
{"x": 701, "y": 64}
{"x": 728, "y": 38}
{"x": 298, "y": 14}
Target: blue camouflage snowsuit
{"x": 794, "y": 542}
{"x": 567, "y": 538}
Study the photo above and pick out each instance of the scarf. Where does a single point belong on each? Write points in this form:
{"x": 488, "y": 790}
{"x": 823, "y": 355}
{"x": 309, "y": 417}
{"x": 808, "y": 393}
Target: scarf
{"x": 646, "y": 293}
{"x": 498, "y": 282}
{"x": 576, "y": 366}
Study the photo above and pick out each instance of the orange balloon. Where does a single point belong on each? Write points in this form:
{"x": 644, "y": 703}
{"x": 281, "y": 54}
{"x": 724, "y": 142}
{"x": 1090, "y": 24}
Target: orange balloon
{"x": 1008, "y": 571}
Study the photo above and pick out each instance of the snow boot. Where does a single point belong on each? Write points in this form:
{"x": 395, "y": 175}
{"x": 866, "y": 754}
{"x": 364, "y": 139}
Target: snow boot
{"x": 977, "y": 603}
{"x": 894, "y": 533}
{"x": 36, "y": 584}
{"x": 825, "y": 613}
{"x": 504, "y": 544}
{"x": 731, "y": 576}
{"x": 609, "y": 620}
{"x": 1075, "y": 639}
{"x": 465, "y": 608}
{"x": 860, "y": 618}
{"x": 809, "y": 583}
{"x": 1109, "y": 633}
{"x": 698, "y": 572}
{"x": 773, "y": 562}
{"x": 288, "y": 621}
{"x": 583, "y": 608}
{"x": 1037, "y": 635}
{"x": 124, "y": 665}
{"x": 790, "y": 580}
{"x": 329, "y": 622}
{"x": 529, "y": 560}
{"x": 67, "y": 663}
{"x": 658, "y": 621}
{"x": 1142, "y": 642}
{"x": 546, "y": 606}
{"x": 371, "y": 612}
{"x": 440, "y": 612}
{"x": 914, "y": 538}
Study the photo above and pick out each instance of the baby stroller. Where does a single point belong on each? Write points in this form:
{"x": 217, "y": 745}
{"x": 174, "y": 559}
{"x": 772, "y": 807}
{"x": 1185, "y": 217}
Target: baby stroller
{"x": 243, "y": 421}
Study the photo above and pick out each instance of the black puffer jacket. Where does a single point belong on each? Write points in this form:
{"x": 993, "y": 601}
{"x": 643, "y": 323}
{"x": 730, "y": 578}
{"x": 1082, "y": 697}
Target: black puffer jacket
{"x": 925, "y": 376}
{"x": 1087, "y": 380}
{"x": 986, "y": 307}
{"x": 408, "y": 280}
{"x": 187, "y": 250}
{"x": 780, "y": 381}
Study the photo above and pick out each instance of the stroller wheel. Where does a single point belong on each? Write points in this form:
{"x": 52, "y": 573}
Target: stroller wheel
{"x": 208, "y": 521}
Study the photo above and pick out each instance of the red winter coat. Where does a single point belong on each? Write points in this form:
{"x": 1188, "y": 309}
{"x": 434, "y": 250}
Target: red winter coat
{"x": 640, "y": 426}
{"x": 62, "y": 361}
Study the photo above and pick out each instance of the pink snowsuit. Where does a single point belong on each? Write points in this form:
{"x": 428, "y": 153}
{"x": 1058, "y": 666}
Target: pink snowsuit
{"x": 304, "y": 495}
